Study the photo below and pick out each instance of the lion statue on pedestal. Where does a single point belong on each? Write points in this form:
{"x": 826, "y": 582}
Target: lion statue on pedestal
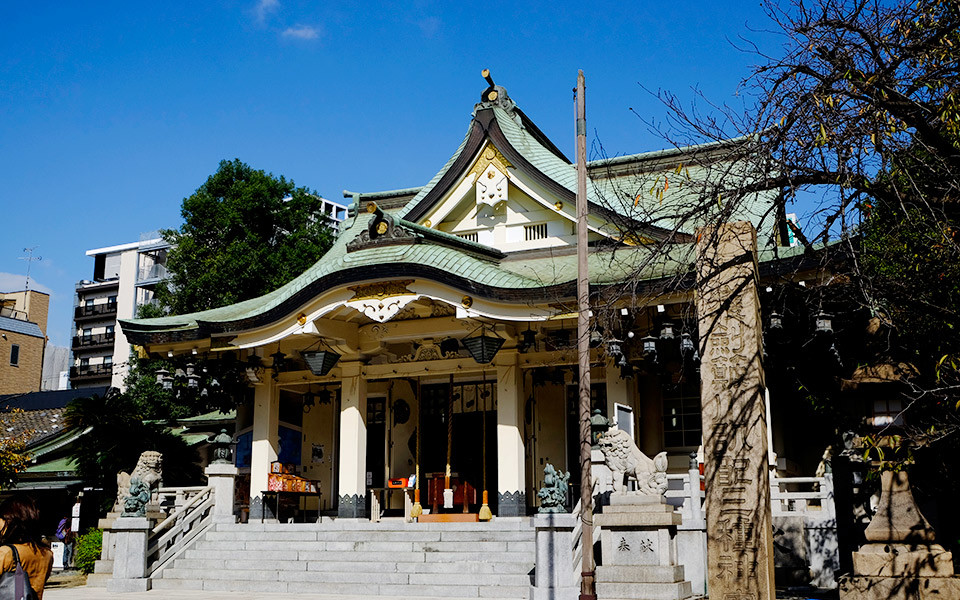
{"x": 147, "y": 475}
{"x": 623, "y": 457}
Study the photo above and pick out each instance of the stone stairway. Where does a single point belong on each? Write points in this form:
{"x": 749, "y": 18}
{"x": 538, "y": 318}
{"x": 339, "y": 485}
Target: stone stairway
{"x": 390, "y": 558}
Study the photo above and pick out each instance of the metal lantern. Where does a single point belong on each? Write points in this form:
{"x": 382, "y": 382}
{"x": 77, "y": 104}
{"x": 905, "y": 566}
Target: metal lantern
{"x": 649, "y": 344}
{"x": 308, "y": 401}
{"x": 320, "y": 361}
{"x": 193, "y": 381}
{"x": 528, "y": 339}
{"x": 324, "y": 396}
{"x": 824, "y": 323}
{"x": 483, "y": 347}
{"x": 666, "y": 331}
{"x": 686, "y": 344}
{"x": 614, "y": 348}
{"x": 776, "y": 321}
{"x": 162, "y": 375}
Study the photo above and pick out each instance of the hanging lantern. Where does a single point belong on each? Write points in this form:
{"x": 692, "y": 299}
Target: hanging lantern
{"x": 528, "y": 340}
{"x": 193, "y": 381}
{"x": 776, "y": 321}
{"x": 614, "y": 348}
{"x": 649, "y": 344}
{"x": 323, "y": 397}
{"x": 824, "y": 323}
{"x": 686, "y": 344}
{"x": 162, "y": 375}
{"x": 595, "y": 339}
{"x": 190, "y": 368}
{"x": 666, "y": 331}
{"x": 320, "y": 361}
{"x": 483, "y": 347}
{"x": 308, "y": 401}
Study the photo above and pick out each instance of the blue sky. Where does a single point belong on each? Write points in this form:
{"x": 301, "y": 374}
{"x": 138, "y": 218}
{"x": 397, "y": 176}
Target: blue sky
{"x": 111, "y": 113}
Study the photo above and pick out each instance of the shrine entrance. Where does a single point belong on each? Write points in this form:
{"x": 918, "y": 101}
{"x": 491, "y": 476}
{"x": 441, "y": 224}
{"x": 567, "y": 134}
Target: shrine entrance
{"x": 473, "y": 412}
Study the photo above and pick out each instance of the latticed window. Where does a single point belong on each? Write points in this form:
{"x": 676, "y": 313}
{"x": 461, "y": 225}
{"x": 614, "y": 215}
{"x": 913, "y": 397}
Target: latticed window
{"x": 470, "y": 237}
{"x": 681, "y": 418}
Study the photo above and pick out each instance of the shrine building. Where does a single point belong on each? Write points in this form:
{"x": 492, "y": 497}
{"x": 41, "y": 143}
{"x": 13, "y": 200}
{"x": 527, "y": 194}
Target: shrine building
{"x": 439, "y": 331}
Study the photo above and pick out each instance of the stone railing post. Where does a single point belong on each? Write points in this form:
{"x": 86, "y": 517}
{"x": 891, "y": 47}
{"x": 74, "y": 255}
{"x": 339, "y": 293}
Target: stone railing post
{"x": 221, "y": 478}
{"x": 130, "y": 558}
{"x": 555, "y": 576}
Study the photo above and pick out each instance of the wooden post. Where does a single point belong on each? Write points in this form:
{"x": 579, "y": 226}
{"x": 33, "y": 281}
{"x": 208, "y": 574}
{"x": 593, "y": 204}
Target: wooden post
{"x": 739, "y": 523}
{"x": 587, "y": 587}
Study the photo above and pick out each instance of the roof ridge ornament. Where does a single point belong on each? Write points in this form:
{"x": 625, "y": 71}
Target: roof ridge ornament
{"x": 495, "y": 95}
{"x": 382, "y": 230}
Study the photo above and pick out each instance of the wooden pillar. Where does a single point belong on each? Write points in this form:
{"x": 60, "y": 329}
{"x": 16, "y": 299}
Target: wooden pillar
{"x": 739, "y": 524}
{"x": 266, "y": 418}
{"x": 511, "y": 494}
{"x": 352, "y": 450}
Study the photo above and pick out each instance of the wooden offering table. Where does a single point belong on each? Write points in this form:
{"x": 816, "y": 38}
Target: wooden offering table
{"x": 463, "y": 494}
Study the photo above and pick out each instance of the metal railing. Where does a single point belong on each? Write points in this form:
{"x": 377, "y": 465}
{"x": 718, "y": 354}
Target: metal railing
{"x": 100, "y": 370}
{"x": 95, "y": 310}
{"x": 95, "y": 339}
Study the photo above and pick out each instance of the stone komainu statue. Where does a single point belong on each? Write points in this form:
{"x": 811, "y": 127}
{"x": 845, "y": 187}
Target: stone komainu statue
{"x": 553, "y": 494}
{"x": 623, "y": 457}
{"x": 134, "y": 490}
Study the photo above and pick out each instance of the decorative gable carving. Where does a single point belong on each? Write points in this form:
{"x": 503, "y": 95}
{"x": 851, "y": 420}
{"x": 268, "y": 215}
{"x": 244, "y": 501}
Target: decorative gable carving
{"x": 492, "y": 186}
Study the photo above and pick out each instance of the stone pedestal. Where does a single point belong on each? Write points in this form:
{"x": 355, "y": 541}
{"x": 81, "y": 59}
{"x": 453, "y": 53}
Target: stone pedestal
{"x": 130, "y": 557}
{"x": 221, "y": 478}
{"x": 900, "y": 560}
{"x": 555, "y": 576}
{"x": 639, "y": 550}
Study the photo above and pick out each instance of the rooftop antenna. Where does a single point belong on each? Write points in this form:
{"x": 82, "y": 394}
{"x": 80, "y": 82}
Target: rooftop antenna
{"x": 29, "y": 258}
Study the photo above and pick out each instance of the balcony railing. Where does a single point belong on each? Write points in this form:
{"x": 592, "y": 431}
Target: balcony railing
{"x": 151, "y": 274}
{"x": 91, "y": 371}
{"x": 95, "y": 310}
{"x": 90, "y": 341}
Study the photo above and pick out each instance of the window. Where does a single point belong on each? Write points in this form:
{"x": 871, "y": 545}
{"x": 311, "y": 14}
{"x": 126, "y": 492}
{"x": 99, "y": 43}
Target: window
{"x": 15, "y": 355}
{"x": 681, "y": 418}
{"x": 112, "y": 301}
{"x": 470, "y": 237}
{"x": 110, "y": 330}
{"x": 87, "y": 333}
{"x": 107, "y": 361}
{"x": 84, "y": 362}
{"x": 535, "y": 232}
{"x": 88, "y": 302}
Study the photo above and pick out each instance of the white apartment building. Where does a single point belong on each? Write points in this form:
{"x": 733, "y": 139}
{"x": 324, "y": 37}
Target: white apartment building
{"x": 124, "y": 277}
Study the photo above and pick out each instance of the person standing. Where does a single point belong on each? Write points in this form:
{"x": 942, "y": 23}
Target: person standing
{"x": 65, "y": 534}
{"x": 20, "y": 528}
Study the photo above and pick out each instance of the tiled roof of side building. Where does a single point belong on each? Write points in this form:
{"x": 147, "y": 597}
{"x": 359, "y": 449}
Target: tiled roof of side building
{"x": 22, "y": 327}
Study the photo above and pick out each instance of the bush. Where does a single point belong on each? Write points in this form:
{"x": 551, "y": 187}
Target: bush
{"x": 87, "y": 550}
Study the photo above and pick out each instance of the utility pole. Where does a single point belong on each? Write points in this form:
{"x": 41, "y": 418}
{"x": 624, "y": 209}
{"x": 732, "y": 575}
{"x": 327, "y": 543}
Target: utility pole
{"x": 29, "y": 258}
{"x": 587, "y": 587}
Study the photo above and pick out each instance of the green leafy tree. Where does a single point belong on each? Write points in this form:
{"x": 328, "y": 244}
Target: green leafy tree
{"x": 118, "y": 435}
{"x": 245, "y": 233}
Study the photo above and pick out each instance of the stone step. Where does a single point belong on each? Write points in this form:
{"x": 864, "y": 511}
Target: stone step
{"x": 352, "y": 589}
{"x": 498, "y": 524}
{"x": 644, "y": 591}
{"x": 217, "y": 563}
